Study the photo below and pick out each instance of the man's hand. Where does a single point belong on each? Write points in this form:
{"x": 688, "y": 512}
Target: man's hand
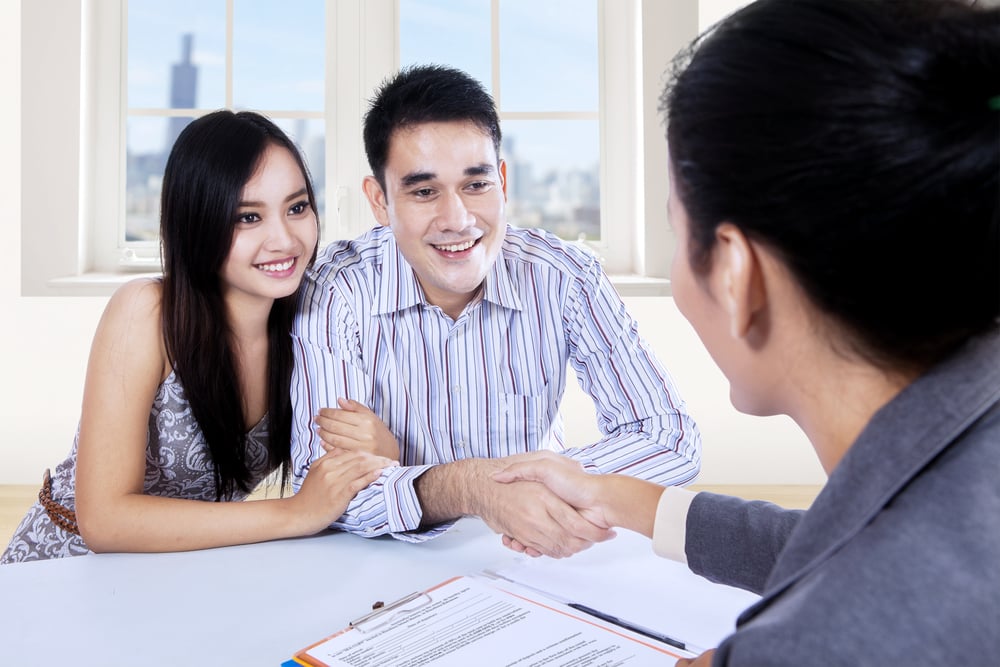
{"x": 531, "y": 517}
{"x": 535, "y": 521}
{"x": 604, "y": 500}
{"x": 353, "y": 427}
{"x": 564, "y": 477}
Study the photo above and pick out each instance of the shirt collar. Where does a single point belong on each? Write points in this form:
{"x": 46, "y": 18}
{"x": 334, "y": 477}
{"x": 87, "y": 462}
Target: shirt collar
{"x": 399, "y": 289}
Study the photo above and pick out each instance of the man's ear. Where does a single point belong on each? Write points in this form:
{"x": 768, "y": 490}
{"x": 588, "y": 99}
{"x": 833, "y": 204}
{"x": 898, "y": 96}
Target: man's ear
{"x": 503, "y": 178}
{"x": 743, "y": 293}
{"x": 376, "y": 199}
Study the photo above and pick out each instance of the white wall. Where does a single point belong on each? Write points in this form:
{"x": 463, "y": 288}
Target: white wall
{"x": 44, "y": 343}
{"x": 737, "y": 448}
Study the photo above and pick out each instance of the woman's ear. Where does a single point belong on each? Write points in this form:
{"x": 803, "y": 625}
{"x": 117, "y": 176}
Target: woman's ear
{"x": 376, "y": 199}
{"x": 742, "y": 291}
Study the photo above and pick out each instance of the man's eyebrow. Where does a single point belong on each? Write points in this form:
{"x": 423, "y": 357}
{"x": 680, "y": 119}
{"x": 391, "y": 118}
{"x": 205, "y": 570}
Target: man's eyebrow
{"x": 484, "y": 169}
{"x": 416, "y": 177}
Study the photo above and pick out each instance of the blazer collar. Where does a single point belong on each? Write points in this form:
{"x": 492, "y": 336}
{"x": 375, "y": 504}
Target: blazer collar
{"x": 901, "y": 439}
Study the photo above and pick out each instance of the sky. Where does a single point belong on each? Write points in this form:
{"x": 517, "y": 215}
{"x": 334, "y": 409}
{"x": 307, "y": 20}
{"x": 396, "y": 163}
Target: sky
{"x": 549, "y": 61}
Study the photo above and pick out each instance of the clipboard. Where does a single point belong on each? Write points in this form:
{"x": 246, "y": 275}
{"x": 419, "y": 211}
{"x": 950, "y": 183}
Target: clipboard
{"x": 378, "y": 618}
{"x": 464, "y": 619}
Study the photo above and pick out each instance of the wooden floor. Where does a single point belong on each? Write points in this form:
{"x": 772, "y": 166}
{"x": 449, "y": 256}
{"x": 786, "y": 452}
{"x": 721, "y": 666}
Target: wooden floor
{"x": 15, "y": 500}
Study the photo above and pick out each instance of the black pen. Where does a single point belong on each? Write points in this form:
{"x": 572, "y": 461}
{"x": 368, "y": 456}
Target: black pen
{"x": 652, "y": 634}
{"x": 614, "y": 620}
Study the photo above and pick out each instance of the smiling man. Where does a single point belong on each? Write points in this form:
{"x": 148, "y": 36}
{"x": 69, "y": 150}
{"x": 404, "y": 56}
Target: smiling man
{"x": 442, "y": 338}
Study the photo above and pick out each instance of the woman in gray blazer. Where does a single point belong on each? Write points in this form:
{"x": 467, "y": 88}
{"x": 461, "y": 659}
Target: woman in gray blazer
{"x": 835, "y": 170}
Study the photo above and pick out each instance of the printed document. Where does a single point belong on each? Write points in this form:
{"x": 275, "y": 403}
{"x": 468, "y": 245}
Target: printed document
{"x": 470, "y": 621}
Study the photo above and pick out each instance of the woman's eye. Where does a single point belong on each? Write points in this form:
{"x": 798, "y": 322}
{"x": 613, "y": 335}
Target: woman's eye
{"x": 248, "y": 218}
{"x": 300, "y": 208}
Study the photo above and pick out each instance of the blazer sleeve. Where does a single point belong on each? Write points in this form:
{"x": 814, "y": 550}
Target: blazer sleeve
{"x": 736, "y": 542}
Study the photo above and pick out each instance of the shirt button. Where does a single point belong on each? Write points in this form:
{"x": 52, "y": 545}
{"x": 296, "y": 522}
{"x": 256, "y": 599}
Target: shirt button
{"x": 457, "y": 388}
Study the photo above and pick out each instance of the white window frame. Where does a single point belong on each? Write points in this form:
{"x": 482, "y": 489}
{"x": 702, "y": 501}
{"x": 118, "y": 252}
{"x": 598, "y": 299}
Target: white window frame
{"x": 73, "y": 118}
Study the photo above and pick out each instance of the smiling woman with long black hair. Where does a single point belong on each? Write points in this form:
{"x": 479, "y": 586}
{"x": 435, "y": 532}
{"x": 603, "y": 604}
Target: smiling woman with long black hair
{"x": 186, "y": 401}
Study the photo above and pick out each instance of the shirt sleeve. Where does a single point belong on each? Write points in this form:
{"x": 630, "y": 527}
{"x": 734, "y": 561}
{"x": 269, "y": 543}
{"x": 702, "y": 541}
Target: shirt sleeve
{"x": 648, "y": 432}
{"x": 387, "y": 505}
{"x": 328, "y": 365}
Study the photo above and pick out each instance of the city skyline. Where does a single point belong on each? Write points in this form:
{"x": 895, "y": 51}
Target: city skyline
{"x": 563, "y": 199}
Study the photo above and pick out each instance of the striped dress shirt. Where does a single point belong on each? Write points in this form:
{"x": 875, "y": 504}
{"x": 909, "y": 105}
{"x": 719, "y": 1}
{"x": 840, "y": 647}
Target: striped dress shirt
{"x": 486, "y": 385}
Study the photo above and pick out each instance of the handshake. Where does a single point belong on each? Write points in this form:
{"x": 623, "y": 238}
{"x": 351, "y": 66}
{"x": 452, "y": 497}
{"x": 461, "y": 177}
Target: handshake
{"x": 546, "y": 504}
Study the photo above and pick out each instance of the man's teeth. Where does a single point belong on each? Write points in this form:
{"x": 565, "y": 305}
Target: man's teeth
{"x": 457, "y": 248}
{"x": 280, "y": 266}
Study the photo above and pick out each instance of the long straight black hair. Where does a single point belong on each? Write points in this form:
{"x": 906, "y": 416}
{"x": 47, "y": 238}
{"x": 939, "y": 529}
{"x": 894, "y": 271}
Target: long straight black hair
{"x": 210, "y": 163}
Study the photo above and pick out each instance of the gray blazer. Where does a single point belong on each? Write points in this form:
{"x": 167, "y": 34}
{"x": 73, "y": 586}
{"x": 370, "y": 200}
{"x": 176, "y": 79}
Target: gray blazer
{"x": 897, "y": 562}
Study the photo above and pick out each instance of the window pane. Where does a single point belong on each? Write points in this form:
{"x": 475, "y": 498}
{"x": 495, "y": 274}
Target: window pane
{"x": 149, "y": 140}
{"x": 310, "y": 137}
{"x": 176, "y": 53}
{"x": 548, "y": 55}
{"x": 553, "y": 176}
{"x": 446, "y": 32}
{"x": 278, "y": 55}
{"x": 145, "y": 168}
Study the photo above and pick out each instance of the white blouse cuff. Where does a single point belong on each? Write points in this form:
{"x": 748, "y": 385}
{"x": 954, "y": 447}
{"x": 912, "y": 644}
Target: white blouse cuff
{"x": 670, "y": 525}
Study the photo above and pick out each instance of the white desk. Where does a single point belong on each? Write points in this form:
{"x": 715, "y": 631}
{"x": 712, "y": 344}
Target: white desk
{"x": 257, "y": 604}
{"x": 246, "y": 605}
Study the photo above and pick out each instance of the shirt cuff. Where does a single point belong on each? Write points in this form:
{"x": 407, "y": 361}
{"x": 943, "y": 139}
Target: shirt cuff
{"x": 418, "y": 536}
{"x": 670, "y": 524}
{"x": 403, "y": 507}
{"x": 403, "y": 511}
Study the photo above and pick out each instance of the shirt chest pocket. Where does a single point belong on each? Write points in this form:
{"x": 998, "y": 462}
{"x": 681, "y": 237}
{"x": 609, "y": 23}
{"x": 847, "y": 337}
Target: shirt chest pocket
{"x": 518, "y": 423}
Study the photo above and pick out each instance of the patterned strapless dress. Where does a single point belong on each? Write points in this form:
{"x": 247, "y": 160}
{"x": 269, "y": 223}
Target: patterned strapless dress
{"x": 178, "y": 465}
